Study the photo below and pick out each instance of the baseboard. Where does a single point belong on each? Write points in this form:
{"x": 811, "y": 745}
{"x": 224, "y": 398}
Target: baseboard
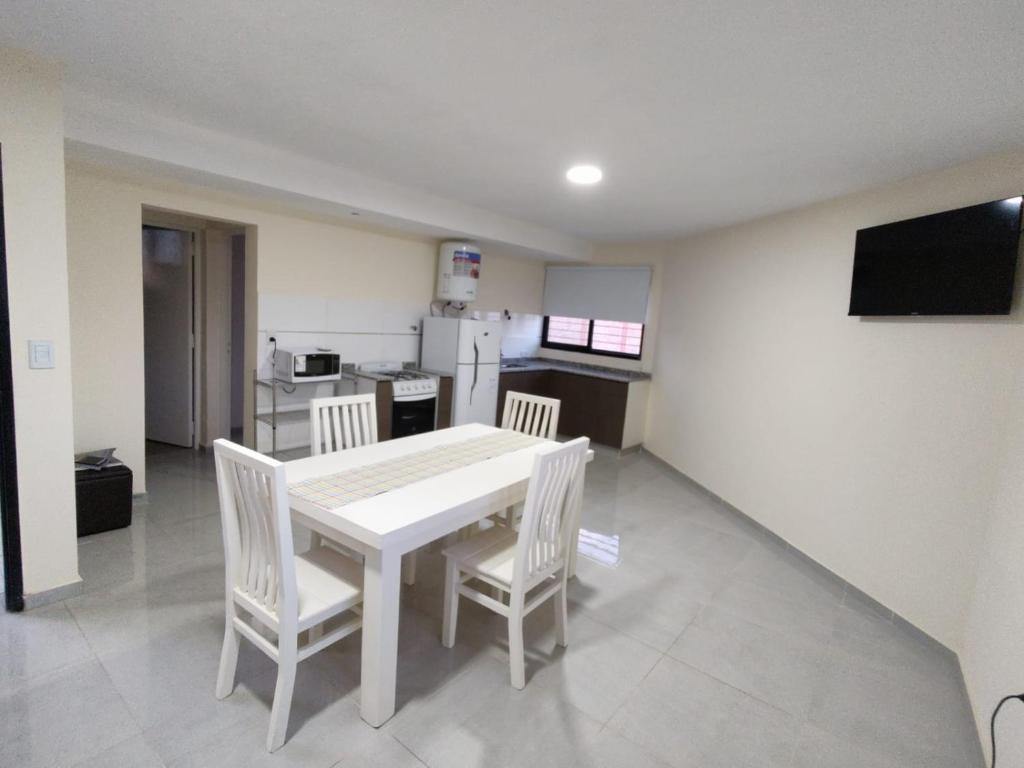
{"x": 55, "y": 595}
{"x": 852, "y": 592}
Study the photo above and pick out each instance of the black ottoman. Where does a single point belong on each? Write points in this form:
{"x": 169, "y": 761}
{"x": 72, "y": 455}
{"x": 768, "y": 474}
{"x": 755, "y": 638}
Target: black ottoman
{"x": 103, "y": 498}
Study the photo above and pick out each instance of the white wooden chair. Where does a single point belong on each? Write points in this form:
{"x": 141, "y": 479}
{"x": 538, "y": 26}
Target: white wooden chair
{"x": 531, "y": 415}
{"x": 267, "y": 584}
{"x": 529, "y": 566}
{"x": 338, "y": 423}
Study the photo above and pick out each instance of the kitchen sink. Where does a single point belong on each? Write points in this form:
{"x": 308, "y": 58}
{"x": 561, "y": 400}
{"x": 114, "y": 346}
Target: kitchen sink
{"x": 513, "y": 365}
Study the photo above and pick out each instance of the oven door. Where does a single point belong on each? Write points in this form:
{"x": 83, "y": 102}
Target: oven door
{"x": 413, "y": 416}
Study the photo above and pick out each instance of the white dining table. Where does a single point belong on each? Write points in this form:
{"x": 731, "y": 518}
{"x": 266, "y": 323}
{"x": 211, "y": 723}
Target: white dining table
{"x": 386, "y": 526}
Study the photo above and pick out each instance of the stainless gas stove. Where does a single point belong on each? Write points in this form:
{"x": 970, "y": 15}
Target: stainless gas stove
{"x": 413, "y": 395}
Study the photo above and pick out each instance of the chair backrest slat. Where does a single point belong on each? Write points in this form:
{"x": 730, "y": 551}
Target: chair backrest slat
{"x": 338, "y": 423}
{"x": 368, "y": 421}
{"x": 531, "y": 414}
{"x": 331, "y": 416}
{"x": 345, "y": 437}
{"x": 551, "y": 510}
{"x": 257, "y": 529}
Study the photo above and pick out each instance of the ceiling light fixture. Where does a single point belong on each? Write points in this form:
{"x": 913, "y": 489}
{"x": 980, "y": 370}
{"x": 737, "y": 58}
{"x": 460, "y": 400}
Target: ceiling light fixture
{"x": 584, "y": 174}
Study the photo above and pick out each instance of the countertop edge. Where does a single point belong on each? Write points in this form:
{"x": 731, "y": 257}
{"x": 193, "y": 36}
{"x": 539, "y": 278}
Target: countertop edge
{"x": 579, "y": 369}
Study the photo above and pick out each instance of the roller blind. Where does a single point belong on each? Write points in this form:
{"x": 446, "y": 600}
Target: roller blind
{"x": 602, "y": 293}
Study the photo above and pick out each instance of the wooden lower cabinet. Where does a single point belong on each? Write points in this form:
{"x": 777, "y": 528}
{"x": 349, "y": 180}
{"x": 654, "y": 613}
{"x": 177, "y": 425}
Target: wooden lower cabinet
{"x": 591, "y": 406}
{"x": 444, "y": 402}
{"x": 385, "y": 393}
{"x": 528, "y": 382}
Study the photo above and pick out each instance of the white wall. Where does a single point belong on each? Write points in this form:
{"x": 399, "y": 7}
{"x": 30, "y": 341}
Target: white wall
{"x": 318, "y": 282}
{"x": 32, "y": 143}
{"x": 993, "y": 657}
{"x": 871, "y": 445}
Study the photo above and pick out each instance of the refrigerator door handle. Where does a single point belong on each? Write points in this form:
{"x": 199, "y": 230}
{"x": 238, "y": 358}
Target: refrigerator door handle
{"x": 476, "y": 367}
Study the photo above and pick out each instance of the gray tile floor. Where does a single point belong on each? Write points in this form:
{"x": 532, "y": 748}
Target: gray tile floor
{"x": 705, "y": 644}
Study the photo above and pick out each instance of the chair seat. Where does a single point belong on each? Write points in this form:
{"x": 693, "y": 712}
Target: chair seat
{"x": 327, "y": 582}
{"x": 490, "y": 553}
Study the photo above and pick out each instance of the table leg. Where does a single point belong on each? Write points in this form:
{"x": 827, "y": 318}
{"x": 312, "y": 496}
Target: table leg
{"x": 382, "y": 574}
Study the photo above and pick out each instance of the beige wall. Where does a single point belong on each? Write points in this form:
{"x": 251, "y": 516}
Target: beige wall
{"x": 626, "y": 254}
{"x": 512, "y": 283}
{"x": 105, "y": 270}
{"x": 296, "y": 256}
{"x": 871, "y": 445}
{"x": 993, "y": 657}
{"x": 32, "y": 142}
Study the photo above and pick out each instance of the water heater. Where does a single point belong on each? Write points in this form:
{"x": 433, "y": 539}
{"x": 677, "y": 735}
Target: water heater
{"x": 458, "y": 271}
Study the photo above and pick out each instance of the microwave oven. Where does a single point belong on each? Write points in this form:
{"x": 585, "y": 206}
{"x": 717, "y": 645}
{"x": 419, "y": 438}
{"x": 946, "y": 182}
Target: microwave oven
{"x": 307, "y": 364}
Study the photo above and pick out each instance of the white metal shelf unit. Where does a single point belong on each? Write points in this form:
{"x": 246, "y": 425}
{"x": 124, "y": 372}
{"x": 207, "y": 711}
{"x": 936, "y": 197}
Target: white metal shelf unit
{"x": 280, "y": 414}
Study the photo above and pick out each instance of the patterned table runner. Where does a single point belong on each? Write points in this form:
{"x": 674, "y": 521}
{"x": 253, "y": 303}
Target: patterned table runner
{"x": 337, "y": 490}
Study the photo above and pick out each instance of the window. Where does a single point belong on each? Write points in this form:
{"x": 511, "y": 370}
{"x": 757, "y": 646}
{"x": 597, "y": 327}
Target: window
{"x": 567, "y": 331}
{"x": 597, "y": 337}
{"x": 617, "y": 338}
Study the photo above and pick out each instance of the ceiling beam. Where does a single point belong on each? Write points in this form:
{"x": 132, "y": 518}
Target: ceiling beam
{"x": 128, "y": 139}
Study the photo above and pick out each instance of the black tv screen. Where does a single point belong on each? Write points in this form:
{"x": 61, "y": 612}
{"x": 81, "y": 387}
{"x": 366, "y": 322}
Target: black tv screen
{"x": 954, "y": 263}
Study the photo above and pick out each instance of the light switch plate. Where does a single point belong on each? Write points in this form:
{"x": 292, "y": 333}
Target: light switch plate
{"x": 40, "y": 354}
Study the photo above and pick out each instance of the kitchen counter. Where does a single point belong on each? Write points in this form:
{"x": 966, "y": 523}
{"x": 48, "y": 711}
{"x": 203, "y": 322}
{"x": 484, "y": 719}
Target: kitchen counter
{"x": 528, "y": 364}
{"x": 607, "y": 405}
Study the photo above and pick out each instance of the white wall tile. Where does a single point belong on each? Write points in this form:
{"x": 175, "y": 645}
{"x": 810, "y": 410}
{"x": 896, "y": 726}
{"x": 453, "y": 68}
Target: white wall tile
{"x": 291, "y": 313}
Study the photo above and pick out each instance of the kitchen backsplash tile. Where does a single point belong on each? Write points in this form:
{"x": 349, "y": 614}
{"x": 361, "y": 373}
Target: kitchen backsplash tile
{"x": 520, "y": 333}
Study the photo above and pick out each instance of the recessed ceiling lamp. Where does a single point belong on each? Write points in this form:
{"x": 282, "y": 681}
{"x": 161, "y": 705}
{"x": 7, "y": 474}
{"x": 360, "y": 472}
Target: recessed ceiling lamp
{"x": 584, "y": 174}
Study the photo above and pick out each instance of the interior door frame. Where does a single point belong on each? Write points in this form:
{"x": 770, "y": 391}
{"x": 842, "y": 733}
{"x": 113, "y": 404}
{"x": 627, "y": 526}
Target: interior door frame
{"x": 196, "y": 222}
{"x": 10, "y": 520}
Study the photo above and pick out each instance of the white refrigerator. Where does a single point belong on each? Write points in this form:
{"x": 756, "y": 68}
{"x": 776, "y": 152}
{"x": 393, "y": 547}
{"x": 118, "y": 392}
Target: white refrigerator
{"x": 470, "y": 351}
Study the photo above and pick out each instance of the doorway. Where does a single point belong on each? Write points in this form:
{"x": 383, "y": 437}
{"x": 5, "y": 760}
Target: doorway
{"x": 196, "y": 328}
{"x": 238, "y": 337}
{"x": 168, "y": 265}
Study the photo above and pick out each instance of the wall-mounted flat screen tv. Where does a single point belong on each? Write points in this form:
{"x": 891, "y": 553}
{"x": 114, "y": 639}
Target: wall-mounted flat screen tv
{"x": 954, "y": 263}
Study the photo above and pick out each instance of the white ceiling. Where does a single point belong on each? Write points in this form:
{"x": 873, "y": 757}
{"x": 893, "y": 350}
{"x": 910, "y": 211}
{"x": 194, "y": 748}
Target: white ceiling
{"x": 701, "y": 114}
